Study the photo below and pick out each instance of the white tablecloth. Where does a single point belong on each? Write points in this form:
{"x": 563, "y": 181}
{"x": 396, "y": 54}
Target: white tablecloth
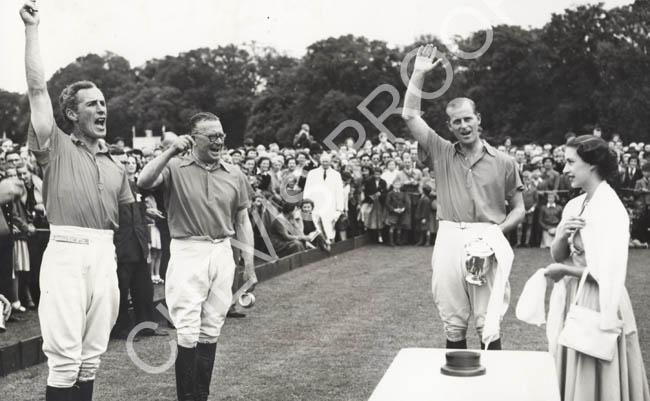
{"x": 415, "y": 375}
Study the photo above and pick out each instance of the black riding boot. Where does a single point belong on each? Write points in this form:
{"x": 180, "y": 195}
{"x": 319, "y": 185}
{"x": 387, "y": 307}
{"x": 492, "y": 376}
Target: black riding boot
{"x": 494, "y": 345}
{"x": 84, "y": 390}
{"x": 204, "y": 363}
{"x": 185, "y": 373}
{"x": 59, "y": 394}
{"x": 462, "y": 344}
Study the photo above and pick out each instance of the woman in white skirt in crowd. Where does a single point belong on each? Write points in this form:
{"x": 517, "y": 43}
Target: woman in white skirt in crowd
{"x": 155, "y": 246}
{"x": 594, "y": 232}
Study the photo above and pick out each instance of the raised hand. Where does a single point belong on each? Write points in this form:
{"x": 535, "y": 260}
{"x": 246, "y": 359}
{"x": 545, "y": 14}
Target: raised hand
{"x": 425, "y": 60}
{"x": 29, "y": 13}
{"x": 182, "y": 144}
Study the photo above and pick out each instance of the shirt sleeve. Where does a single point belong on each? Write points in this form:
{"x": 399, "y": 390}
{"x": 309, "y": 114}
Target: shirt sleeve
{"x": 167, "y": 178}
{"x": 432, "y": 148}
{"x": 244, "y": 192}
{"x": 57, "y": 142}
{"x": 513, "y": 180}
{"x": 126, "y": 195}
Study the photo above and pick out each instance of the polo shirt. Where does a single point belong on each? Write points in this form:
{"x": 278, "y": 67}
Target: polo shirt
{"x": 80, "y": 188}
{"x": 203, "y": 201}
{"x": 470, "y": 191}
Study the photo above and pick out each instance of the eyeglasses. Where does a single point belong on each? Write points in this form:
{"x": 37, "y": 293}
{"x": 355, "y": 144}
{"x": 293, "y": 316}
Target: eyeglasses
{"x": 213, "y": 138}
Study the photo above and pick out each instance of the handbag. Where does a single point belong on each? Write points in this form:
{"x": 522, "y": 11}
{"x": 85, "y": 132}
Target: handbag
{"x": 582, "y": 330}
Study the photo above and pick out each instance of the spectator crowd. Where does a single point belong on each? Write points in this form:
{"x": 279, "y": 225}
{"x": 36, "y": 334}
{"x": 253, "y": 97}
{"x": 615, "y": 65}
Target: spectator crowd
{"x": 303, "y": 197}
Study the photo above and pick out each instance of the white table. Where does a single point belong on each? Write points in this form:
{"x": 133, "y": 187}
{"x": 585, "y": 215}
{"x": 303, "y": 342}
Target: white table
{"x": 415, "y": 375}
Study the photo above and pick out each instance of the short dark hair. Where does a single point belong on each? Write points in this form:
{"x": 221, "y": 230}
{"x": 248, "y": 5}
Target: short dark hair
{"x": 68, "y": 97}
{"x": 202, "y": 116}
{"x": 595, "y": 151}
{"x": 261, "y": 159}
{"x": 307, "y": 201}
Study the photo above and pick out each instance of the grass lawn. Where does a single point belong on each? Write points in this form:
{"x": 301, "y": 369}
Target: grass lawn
{"x": 327, "y": 331}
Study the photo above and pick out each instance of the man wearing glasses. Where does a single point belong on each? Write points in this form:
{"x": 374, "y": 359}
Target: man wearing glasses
{"x": 207, "y": 201}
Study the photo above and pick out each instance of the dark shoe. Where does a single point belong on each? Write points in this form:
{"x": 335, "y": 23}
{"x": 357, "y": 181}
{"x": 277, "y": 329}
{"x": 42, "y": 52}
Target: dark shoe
{"x": 495, "y": 345}
{"x": 59, "y": 394}
{"x": 462, "y": 344}
{"x": 235, "y": 314}
{"x": 391, "y": 238}
{"x": 185, "y": 373}
{"x": 84, "y": 390}
{"x": 30, "y": 305}
{"x": 204, "y": 363}
{"x": 119, "y": 334}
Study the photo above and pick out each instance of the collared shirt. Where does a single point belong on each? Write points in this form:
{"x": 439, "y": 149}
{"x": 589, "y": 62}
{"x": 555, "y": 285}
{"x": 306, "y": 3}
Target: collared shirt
{"x": 80, "y": 188}
{"x": 203, "y": 201}
{"x": 470, "y": 190}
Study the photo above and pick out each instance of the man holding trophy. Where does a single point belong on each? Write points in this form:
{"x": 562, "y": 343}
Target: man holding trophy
{"x": 471, "y": 258}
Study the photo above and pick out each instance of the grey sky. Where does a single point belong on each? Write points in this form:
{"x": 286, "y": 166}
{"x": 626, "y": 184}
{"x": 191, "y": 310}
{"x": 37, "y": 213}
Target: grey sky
{"x": 143, "y": 29}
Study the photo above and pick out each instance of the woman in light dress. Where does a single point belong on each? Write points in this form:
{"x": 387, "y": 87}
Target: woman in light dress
{"x": 594, "y": 232}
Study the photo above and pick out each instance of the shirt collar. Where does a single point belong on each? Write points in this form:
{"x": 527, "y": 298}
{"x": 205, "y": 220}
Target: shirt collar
{"x": 191, "y": 159}
{"x": 488, "y": 148}
{"x": 102, "y": 149}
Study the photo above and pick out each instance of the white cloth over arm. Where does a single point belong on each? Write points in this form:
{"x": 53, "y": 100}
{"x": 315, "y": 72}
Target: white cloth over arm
{"x": 530, "y": 307}
{"x": 606, "y": 237}
{"x": 500, "y": 296}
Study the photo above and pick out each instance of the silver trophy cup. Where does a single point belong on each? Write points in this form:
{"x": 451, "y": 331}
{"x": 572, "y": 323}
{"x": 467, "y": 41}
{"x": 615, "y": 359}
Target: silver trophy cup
{"x": 479, "y": 258}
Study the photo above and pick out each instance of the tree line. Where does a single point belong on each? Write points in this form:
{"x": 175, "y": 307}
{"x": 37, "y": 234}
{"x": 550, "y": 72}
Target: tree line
{"x": 587, "y": 66}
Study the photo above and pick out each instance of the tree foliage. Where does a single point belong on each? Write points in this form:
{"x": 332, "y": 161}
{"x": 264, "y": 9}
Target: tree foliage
{"x": 587, "y": 66}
